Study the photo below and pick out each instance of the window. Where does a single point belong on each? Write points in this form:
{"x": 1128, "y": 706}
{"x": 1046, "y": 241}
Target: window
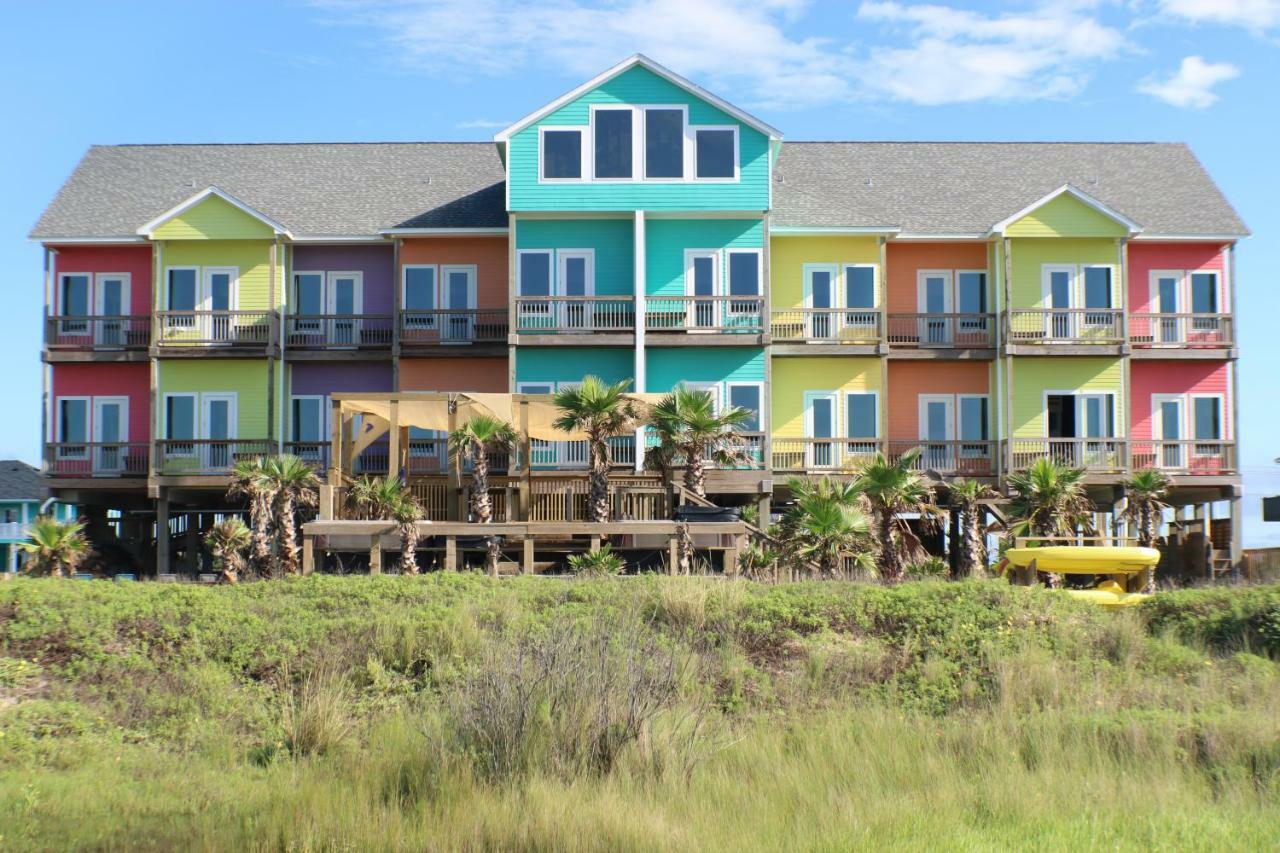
{"x": 973, "y": 418}
{"x": 308, "y": 293}
{"x": 419, "y": 297}
{"x": 182, "y": 289}
{"x": 860, "y": 286}
{"x": 744, "y": 273}
{"x": 664, "y": 143}
{"x": 971, "y": 290}
{"x": 1207, "y": 412}
{"x": 1204, "y": 293}
{"x": 561, "y": 154}
{"x": 744, "y": 396}
{"x": 1097, "y": 294}
{"x": 716, "y": 152}
{"x": 534, "y": 273}
{"x": 179, "y": 416}
{"x": 74, "y": 296}
{"x": 73, "y": 426}
{"x": 307, "y": 421}
{"x": 860, "y": 415}
{"x": 613, "y": 143}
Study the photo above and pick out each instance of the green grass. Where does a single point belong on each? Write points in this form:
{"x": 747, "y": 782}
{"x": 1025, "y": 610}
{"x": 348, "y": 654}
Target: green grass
{"x": 352, "y": 713}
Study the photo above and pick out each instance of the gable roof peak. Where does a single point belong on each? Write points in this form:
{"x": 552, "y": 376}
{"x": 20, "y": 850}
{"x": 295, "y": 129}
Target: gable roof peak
{"x": 1078, "y": 194}
{"x": 208, "y": 192}
{"x": 639, "y": 59}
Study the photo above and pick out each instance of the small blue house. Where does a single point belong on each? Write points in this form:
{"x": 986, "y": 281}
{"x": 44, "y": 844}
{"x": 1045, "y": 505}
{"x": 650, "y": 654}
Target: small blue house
{"x": 23, "y": 496}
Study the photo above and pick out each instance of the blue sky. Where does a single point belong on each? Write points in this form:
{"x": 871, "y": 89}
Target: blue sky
{"x": 1206, "y": 72}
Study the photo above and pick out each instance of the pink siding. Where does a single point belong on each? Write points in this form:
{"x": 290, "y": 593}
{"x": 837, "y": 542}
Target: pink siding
{"x": 109, "y": 380}
{"x": 1146, "y": 257}
{"x": 1176, "y": 377}
{"x": 134, "y": 260}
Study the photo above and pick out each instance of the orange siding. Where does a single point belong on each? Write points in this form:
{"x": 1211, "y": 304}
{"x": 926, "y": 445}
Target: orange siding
{"x": 454, "y": 374}
{"x": 489, "y": 254}
{"x": 909, "y": 379}
{"x": 904, "y": 260}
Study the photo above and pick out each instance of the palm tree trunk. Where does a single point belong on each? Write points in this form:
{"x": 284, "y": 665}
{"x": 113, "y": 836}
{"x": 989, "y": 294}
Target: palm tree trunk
{"x": 409, "y": 548}
{"x": 598, "y": 481}
{"x": 684, "y": 549}
{"x": 481, "y": 503}
{"x": 260, "y": 510}
{"x": 972, "y": 549}
{"x": 289, "y": 531}
{"x": 695, "y": 473}
{"x": 492, "y": 554}
{"x": 890, "y": 565}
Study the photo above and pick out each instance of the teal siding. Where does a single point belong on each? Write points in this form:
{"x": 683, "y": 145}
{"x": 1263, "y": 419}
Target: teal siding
{"x": 668, "y": 367}
{"x": 667, "y": 239}
{"x": 612, "y": 239}
{"x": 569, "y": 364}
{"x": 639, "y": 86}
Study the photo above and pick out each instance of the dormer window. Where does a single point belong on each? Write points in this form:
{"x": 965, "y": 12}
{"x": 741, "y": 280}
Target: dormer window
{"x": 613, "y": 148}
{"x": 562, "y": 154}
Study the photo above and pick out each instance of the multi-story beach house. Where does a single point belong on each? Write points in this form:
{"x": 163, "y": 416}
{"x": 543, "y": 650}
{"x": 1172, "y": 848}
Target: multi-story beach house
{"x": 991, "y": 303}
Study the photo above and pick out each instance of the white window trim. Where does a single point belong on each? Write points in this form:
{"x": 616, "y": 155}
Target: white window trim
{"x": 948, "y": 289}
{"x": 807, "y": 272}
{"x": 435, "y": 283}
{"x": 718, "y": 282}
{"x": 986, "y": 294}
{"x": 330, "y": 291}
{"x": 206, "y": 287}
{"x": 843, "y": 295}
{"x": 59, "y": 297}
{"x": 472, "y": 274}
{"x": 923, "y": 401}
{"x": 166, "y": 284}
{"x": 1188, "y": 298}
{"x": 728, "y": 267}
{"x": 834, "y": 397}
{"x": 1046, "y": 287}
{"x": 95, "y": 426}
{"x": 1180, "y": 289}
{"x": 584, "y": 164}
{"x": 126, "y": 288}
{"x": 686, "y": 152}
{"x": 551, "y": 271}
{"x": 233, "y": 418}
{"x": 844, "y": 400}
{"x": 960, "y": 398}
{"x": 759, "y": 386}
{"x": 558, "y": 277}
{"x": 196, "y": 422}
{"x": 637, "y": 140}
{"x": 88, "y": 423}
{"x": 1223, "y": 426}
{"x": 717, "y": 390}
{"x": 1114, "y": 297}
{"x": 737, "y": 153}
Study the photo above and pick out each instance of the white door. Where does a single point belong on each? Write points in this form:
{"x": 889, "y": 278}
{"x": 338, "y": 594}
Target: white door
{"x": 820, "y": 296}
{"x": 575, "y": 284}
{"x": 937, "y": 430}
{"x": 110, "y": 432}
{"x": 345, "y": 303}
{"x": 458, "y": 295}
{"x": 112, "y": 296}
{"x": 1166, "y": 299}
{"x": 1059, "y": 292}
{"x": 218, "y": 428}
{"x": 700, "y": 276}
{"x": 1166, "y": 428}
{"x": 219, "y": 301}
{"x": 935, "y": 302}
{"x": 820, "y": 427}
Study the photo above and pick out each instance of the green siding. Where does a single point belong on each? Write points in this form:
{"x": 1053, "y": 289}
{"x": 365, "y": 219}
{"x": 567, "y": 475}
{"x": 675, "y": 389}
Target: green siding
{"x": 569, "y": 364}
{"x": 668, "y": 367}
{"x": 214, "y": 219}
{"x": 1066, "y": 216}
{"x": 1030, "y": 255}
{"x": 1033, "y": 376}
{"x": 613, "y": 241}
{"x": 247, "y": 379}
{"x": 667, "y": 239}
{"x": 639, "y": 86}
{"x": 251, "y": 257}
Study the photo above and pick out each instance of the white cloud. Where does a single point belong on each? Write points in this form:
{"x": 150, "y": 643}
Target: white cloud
{"x": 1254, "y": 14}
{"x": 955, "y": 55}
{"x": 1192, "y": 84}
{"x": 483, "y": 123}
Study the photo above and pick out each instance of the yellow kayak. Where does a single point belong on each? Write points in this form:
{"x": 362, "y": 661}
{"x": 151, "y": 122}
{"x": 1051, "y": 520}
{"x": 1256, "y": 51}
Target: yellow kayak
{"x": 1108, "y": 594}
{"x": 1081, "y": 560}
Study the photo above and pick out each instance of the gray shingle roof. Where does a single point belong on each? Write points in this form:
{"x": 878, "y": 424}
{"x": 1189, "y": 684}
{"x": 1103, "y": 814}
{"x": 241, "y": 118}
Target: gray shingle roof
{"x": 313, "y": 189}
{"x": 19, "y": 481}
{"x": 357, "y": 189}
{"x": 967, "y": 187}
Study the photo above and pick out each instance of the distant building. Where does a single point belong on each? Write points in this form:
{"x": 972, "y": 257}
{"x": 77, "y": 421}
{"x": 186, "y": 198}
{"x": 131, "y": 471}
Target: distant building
{"x": 23, "y": 493}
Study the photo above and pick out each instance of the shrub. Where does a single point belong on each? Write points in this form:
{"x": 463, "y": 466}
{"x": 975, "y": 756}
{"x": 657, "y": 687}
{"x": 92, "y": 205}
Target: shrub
{"x": 597, "y": 563}
{"x": 316, "y": 717}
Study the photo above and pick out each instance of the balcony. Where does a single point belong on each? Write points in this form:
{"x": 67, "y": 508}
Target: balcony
{"x": 826, "y": 326}
{"x": 799, "y": 455}
{"x": 1096, "y": 455}
{"x": 452, "y": 327}
{"x": 575, "y": 315}
{"x": 114, "y": 335}
{"x": 206, "y": 457}
{"x": 1185, "y": 457}
{"x": 941, "y": 331}
{"x": 97, "y": 460}
{"x": 1101, "y": 328}
{"x": 236, "y": 330}
{"x": 345, "y": 332}
{"x": 1190, "y": 335}
{"x": 15, "y": 531}
{"x": 740, "y": 317}
{"x": 952, "y": 458}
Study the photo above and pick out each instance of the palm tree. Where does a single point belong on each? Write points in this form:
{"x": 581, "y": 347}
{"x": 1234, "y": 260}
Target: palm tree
{"x": 891, "y": 489}
{"x": 57, "y": 548}
{"x": 227, "y": 541}
{"x": 602, "y": 411}
{"x": 473, "y": 442}
{"x": 1145, "y": 490}
{"x": 687, "y": 426}
{"x": 827, "y": 528}
{"x": 1049, "y": 499}
{"x": 295, "y": 486}
{"x": 250, "y": 480}
{"x": 966, "y": 499}
{"x": 388, "y": 499}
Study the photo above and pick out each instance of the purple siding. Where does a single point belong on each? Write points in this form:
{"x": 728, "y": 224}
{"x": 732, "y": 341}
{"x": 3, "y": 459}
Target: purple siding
{"x": 327, "y": 377}
{"x": 373, "y": 261}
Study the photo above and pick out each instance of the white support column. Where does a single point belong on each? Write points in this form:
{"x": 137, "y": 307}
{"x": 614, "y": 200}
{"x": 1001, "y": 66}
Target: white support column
{"x": 1237, "y": 533}
{"x": 641, "y": 384}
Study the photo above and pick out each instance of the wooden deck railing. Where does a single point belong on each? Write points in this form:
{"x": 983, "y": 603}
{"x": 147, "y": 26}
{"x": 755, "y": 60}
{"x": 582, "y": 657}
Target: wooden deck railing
{"x": 1181, "y": 330}
{"x": 822, "y": 454}
{"x": 98, "y": 333}
{"x": 338, "y": 331}
{"x": 1102, "y": 455}
{"x": 1185, "y": 456}
{"x": 552, "y": 315}
{"x": 845, "y": 325}
{"x": 722, "y": 314}
{"x": 1066, "y": 325}
{"x": 453, "y": 326}
{"x": 98, "y": 459}
{"x": 942, "y": 330}
{"x": 214, "y": 328}
{"x": 949, "y": 457}
{"x": 207, "y": 457}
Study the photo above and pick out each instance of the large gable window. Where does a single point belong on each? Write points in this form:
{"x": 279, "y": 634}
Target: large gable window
{"x": 561, "y": 154}
{"x": 613, "y": 150}
{"x": 664, "y": 143}
{"x": 716, "y": 152}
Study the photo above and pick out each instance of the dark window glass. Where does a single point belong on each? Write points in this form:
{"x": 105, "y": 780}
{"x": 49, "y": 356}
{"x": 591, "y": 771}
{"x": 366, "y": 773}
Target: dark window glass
{"x": 664, "y": 144}
{"x": 180, "y": 417}
{"x": 973, "y": 293}
{"x": 823, "y": 422}
{"x": 310, "y": 293}
{"x": 562, "y": 154}
{"x": 75, "y": 295}
{"x": 1208, "y": 418}
{"x": 73, "y": 421}
{"x": 613, "y": 143}
{"x": 747, "y": 397}
{"x": 535, "y": 274}
{"x": 973, "y": 418}
{"x": 182, "y": 290}
{"x": 1204, "y": 293}
{"x": 306, "y": 419}
{"x": 1097, "y": 287}
{"x": 744, "y": 274}
{"x": 860, "y": 410}
{"x": 715, "y": 154}
{"x": 860, "y": 287}
{"x": 419, "y": 288}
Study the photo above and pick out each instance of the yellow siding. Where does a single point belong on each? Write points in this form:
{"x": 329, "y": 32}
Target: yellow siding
{"x": 1030, "y": 256}
{"x": 251, "y": 257}
{"x": 792, "y": 376}
{"x": 1066, "y": 216}
{"x": 247, "y": 379}
{"x": 788, "y": 255}
{"x": 214, "y": 219}
{"x": 1034, "y": 375}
